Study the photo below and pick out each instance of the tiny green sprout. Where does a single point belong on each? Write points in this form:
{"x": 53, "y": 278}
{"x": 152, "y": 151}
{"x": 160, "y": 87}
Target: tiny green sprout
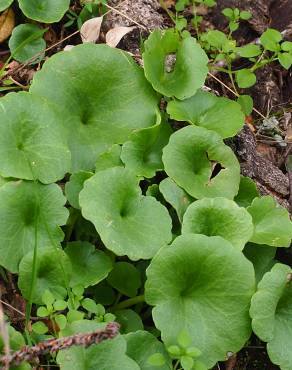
{"x": 157, "y": 360}
{"x": 234, "y": 16}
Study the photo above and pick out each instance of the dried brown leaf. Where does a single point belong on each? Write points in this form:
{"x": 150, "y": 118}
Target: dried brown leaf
{"x": 114, "y": 36}
{"x": 90, "y": 30}
{"x": 7, "y": 22}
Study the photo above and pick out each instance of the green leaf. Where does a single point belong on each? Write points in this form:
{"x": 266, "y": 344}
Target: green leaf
{"x": 249, "y": 50}
{"x": 125, "y": 278}
{"x": 247, "y": 192}
{"x": 219, "y": 217}
{"x": 60, "y": 305}
{"x": 271, "y": 221}
{"x": 74, "y": 315}
{"x": 100, "y": 108}
{"x": 285, "y": 60}
{"x": 228, "y": 12}
{"x": 245, "y": 15}
{"x": 26, "y": 41}
{"x": 262, "y": 258}
{"x": 245, "y": 78}
{"x": 129, "y": 320}
{"x": 61, "y": 321}
{"x": 44, "y": 11}
{"x": 89, "y": 265}
{"x": 188, "y": 73}
{"x": 4, "y": 4}
{"x": 103, "y": 293}
{"x": 246, "y": 103}
{"x": 175, "y": 351}
{"x": 42, "y": 312}
{"x": 74, "y": 186}
{"x": 175, "y": 196}
{"x": 286, "y": 46}
{"x": 184, "y": 339}
{"x": 126, "y": 220}
{"x": 28, "y": 209}
{"x": 147, "y": 351}
{"x": 53, "y": 270}
{"x": 39, "y": 328}
{"x": 109, "y": 354}
{"x": 193, "y": 352}
{"x": 190, "y": 282}
{"x": 31, "y": 140}
{"x": 270, "y": 39}
{"x": 271, "y": 314}
{"x": 48, "y": 298}
{"x": 157, "y": 360}
{"x": 90, "y": 305}
{"x": 110, "y": 158}
{"x": 204, "y": 109}
{"x": 187, "y": 160}
{"x": 143, "y": 153}
{"x": 187, "y": 362}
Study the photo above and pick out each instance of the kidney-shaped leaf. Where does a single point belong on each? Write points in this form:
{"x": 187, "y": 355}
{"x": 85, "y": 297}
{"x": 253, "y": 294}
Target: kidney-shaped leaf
{"x": 271, "y": 312}
{"x": 53, "y": 269}
{"x": 191, "y": 284}
{"x": 75, "y": 185}
{"x": 272, "y": 225}
{"x": 193, "y": 157}
{"x": 143, "y": 153}
{"x": 219, "y": 217}
{"x": 141, "y": 345}
{"x": 174, "y": 67}
{"x": 89, "y": 265}
{"x": 107, "y": 355}
{"x": 103, "y": 96}
{"x": 45, "y": 11}
{"x": 31, "y": 140}
{"x": 128, "y": 223}
{"x": 221, "y": 115}
{"x": 126, "y": 278}
{"x": 28, "y": 209}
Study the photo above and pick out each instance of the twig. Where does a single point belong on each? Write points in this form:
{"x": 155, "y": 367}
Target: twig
{"x": 54, "y": 345}
{"x": 233, "y": 92}
{"x": 12, "y": 308}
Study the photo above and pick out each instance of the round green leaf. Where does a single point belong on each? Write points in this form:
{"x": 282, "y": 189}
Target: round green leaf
{"x": 142, "y": 154}
{"x": 128, "y": 223}
{"x": 221, "y": 115}
{"x": 262, "y": 258}
{"x": 249, "y": 50}
{"x": 4, "y": 4}
{"x": 45, "y": 11}
{"x": 31, "y": 140}
{"x": 53, "y": 271}
{"x": 271, "y": 313}
{"x": 272, "y": 225}
{"x": 61, "y": 321}
{"x": 142, "y": 346}
{"x": 74, "y": 186}
{"x": 285, "y": 60}
{"x": 189, "y": 157}
{"x": 270, "y": 39}
{"x": 125, "y": 278}
{"x": 90, "y": 266}
{"x": 246, "y": 103}
{"x": 245, "y": 78}
{"x": 107, "y": 355}
{"x": 247, "y": 192}
{"x": 129, "y": 320}
{"x": 219, "y": 217}
{"x": 110, "y": 158}
{"x": 176, "y": 196}
{"x": 40, "y": 328}
{"x": 90, "y": 87}
{"x": 189, "y": 71}
{"x": 26, "y": 41}
{"x": 30, "y": 213}
{"x": 190, "y": 282}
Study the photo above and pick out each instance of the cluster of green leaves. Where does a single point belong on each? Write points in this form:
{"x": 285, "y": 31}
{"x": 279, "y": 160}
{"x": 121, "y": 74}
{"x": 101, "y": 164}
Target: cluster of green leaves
{"x": 108, "y": 212}
{"x": 222, "y": 47}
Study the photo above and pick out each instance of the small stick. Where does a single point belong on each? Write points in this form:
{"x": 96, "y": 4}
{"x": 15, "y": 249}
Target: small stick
{"x": 28, "y": 353}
